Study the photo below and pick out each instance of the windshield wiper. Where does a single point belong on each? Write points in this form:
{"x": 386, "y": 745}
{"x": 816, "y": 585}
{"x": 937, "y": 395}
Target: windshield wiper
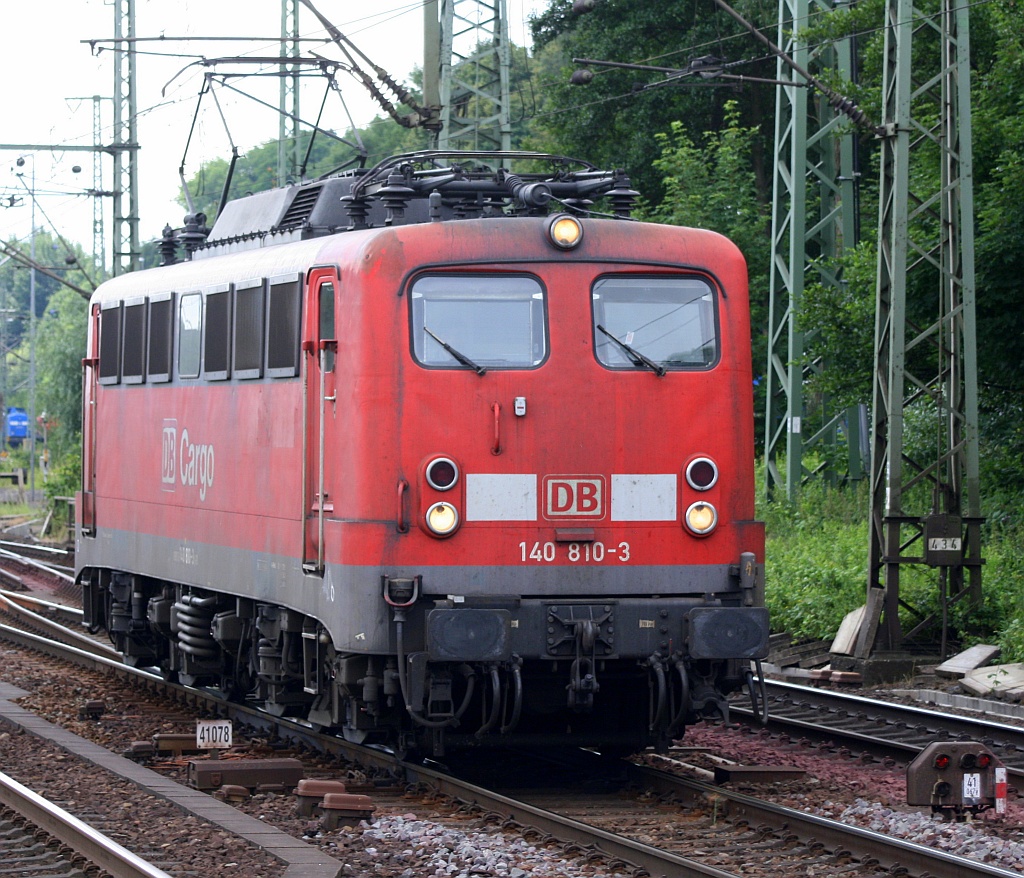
{"x": 461, "y": 357}
{"x": 635, "y": 355}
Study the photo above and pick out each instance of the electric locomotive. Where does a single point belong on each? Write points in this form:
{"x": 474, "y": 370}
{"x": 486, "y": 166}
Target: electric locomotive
{"x": 444, "y": 452}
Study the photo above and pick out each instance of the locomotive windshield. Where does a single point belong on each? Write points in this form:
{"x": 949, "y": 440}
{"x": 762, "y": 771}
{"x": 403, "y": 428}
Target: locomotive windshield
{"x": 477, "y": 321}
{"x": 654, "y": 323}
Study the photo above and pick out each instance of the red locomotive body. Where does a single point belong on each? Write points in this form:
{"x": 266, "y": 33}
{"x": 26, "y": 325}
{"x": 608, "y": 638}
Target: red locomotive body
{"x": 437, "y": 476}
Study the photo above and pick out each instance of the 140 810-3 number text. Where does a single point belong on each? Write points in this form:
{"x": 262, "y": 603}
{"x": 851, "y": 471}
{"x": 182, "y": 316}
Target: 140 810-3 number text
{"x": 575, "y": 553}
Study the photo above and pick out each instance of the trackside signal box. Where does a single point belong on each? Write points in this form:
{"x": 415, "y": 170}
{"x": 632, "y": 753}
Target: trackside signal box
{"x": 957, "y": 778}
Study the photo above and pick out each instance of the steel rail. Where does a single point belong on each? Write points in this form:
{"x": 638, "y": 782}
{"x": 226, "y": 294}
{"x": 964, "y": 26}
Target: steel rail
{"x": 888, "y": 721}
{"x": 891, "y": 853}
{"x": 863, "y": 843}
{"x": 39, "y": 565}
{"x": 72, "y": 614}
{"x": 87, "y": 644}
{"x": 95, "y": 847}
{"x": 520, "y": 815}
{"x": 852, "y": 702}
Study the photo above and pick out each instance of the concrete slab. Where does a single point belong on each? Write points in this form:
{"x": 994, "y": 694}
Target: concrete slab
{"x": 963, "y": 702}
{"x": 846, "y": 637}
{"x": 968, "y": 660}
{"x": 995, "y": 679}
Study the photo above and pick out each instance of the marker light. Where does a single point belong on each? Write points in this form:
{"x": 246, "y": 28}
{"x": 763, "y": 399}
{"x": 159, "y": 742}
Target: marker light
{"x": 442, "y": 474}
{"x": 701, "y": 474}
{"x": 701, "y": 518}
{"x": 442, "y": 518}
{"x": 984, "y": 760}
{"x": 941, "y": 761}
{"x": 565, "y": 231}
{"x": 969, "y": 761}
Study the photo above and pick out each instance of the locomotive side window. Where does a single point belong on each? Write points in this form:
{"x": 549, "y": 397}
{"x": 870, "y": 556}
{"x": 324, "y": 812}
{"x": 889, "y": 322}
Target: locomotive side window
{"x": 133, "y": 345}
{"x": 110, "y": 344}
{"x": 161, "y": 327}
{"x": 283, "y": 327}
{"x": 190, "y": 335}
{"x": 478, "y": 321}
{"x": 247, "y": 337}
{"x": 327, "y": 324}
{"x": 655, "y": 323}
{"x": 216, "y": 334}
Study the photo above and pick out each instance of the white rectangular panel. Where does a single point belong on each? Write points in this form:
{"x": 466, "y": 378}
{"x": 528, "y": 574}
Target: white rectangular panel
{"x": 644, "y": 497}
{"x": 501, "y": 497}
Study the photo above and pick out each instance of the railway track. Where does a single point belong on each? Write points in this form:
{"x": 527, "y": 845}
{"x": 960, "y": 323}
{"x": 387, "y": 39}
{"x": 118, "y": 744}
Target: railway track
{"x": 37, "y": 838}
{"x": 879, "y": 728}
{"x": 714, "y": 831}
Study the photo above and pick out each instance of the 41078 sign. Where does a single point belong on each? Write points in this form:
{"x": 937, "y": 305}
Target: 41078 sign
{"x": 213, "y": 734}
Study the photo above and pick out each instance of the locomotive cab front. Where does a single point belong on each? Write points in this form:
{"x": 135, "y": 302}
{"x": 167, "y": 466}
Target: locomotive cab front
{"x": 572, "y": 451}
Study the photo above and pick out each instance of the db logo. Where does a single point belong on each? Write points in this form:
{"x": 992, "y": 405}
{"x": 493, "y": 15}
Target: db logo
{"x": 574, "y": 496}
{"x": 169, "y": 464}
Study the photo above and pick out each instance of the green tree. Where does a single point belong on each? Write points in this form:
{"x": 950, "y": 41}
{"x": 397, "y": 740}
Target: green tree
{"x": 60, "y": 343}
{"x": 53, "y": 267}
{"x": 612, "y": 121}
{"x": 710, "y": 183}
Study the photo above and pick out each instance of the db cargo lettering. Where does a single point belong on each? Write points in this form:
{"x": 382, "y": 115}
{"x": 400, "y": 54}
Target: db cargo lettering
{"x": 197, "y": 464}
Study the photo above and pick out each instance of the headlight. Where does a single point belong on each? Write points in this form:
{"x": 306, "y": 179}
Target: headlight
{"x": 442, "y": 518}
{"x": 701, "y": 518}
{"x": 565, "y": 231}
{"x": 701, "y": 474}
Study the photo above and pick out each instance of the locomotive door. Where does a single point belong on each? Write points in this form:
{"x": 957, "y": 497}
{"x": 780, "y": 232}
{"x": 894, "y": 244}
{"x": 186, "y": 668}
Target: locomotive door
{"x": 86, "y": 505}
{"x": 319, "y": 346}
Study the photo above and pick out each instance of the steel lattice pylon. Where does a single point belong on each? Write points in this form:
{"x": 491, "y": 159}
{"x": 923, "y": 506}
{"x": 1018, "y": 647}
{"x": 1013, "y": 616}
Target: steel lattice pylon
{"x": 926, "y": 505}
{"x": 126, "y": 143}
{"x": 289, "y": 151}
{"x": 813, "y": 221}
{"x": 467, "y": 61}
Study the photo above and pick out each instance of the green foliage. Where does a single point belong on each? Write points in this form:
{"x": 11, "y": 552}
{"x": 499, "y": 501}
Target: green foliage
{"x": 613, "y": 120}
{"x": 816, "y": 571}
{"x": 62, "y": 482}
{"x": 65, "y": 478}
{"x": 838, "y": 321}
{"x": 60, "y": 338}
{"x": 60, "y": 343}
{"x": 816, "y": 560}
{"x": 51, "y": 254}
{"x": 710, "y": 183}
{"x": 1003, "y": 611}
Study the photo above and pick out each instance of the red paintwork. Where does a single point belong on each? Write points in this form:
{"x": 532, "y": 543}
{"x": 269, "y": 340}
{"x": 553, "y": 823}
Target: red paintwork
{"x": 392, "y": 415}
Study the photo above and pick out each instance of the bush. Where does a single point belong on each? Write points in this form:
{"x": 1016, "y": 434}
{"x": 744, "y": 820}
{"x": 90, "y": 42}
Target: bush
{"x": 816, "y": 560}
{"x": 816, "y": 570}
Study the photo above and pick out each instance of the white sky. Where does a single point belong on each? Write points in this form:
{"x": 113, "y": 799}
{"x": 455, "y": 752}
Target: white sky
{"x": 45, "y": 65}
